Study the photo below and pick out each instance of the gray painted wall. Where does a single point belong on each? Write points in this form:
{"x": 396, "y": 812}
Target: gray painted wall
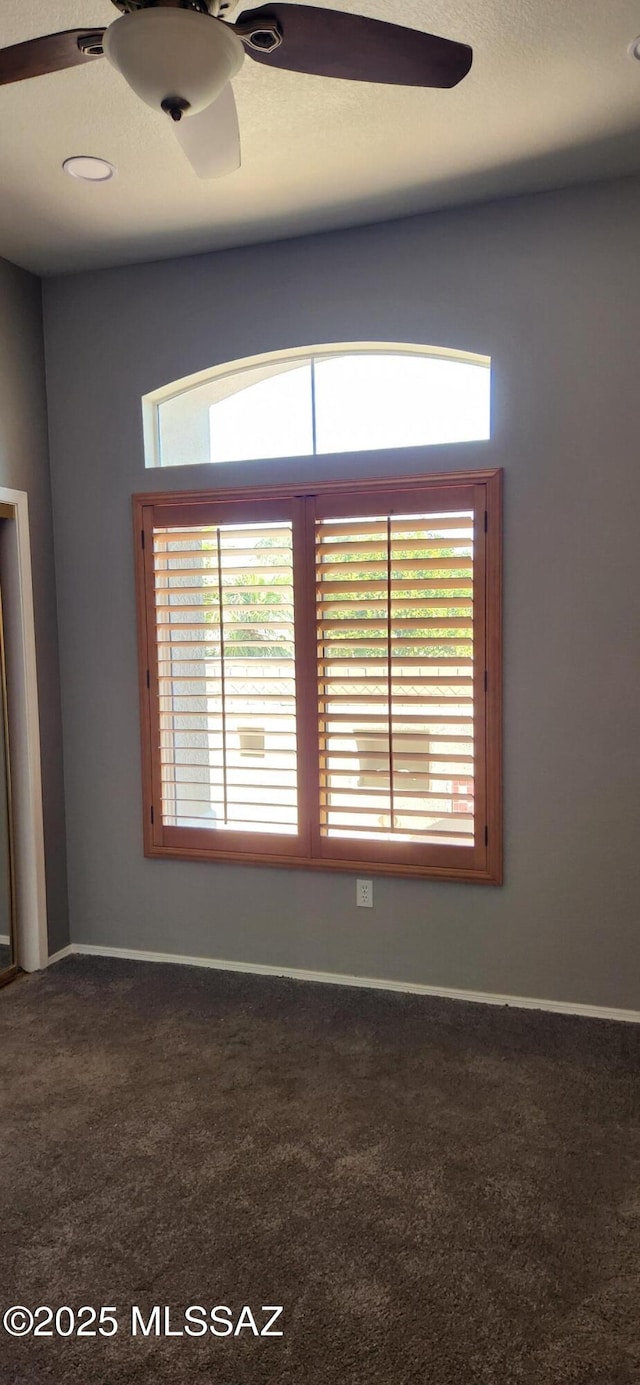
{"x": 549, "y": 285}
{"x": 24, "y": 465}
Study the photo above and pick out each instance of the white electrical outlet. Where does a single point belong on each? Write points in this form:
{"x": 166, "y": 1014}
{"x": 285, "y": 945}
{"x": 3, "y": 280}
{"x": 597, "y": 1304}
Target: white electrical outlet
{"x": 364, "y": 894}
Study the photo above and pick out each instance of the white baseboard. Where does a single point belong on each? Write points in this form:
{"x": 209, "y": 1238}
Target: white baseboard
{"x": 64, "y": 952}
{"x": 518, "y": 1002}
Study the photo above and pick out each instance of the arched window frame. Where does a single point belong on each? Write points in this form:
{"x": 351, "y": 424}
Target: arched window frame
{"x": 155, "y": 399}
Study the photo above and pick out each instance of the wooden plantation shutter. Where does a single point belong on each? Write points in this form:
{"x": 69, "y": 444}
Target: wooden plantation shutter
{"x": 321, "y": 675}
{"x": 395, "y": 641}
{"x": 400, "y": 582}
{"x": 222, "y": 670}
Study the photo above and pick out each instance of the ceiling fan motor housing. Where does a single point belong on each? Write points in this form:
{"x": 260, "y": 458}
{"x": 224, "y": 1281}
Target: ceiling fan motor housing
{"x": 174, "y": 58}
{"x": 203, "y": 6}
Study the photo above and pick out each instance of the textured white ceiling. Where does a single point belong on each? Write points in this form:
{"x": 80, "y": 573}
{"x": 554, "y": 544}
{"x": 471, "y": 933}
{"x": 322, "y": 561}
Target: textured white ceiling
{"x": 552, "y": 97}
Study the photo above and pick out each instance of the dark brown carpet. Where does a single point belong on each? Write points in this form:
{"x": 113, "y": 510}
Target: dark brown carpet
{"x": 438, "y": 1193}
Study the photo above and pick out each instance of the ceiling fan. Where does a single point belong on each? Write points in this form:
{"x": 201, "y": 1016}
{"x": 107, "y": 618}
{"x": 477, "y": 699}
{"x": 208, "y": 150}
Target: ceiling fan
{"x": 179, "y": 57}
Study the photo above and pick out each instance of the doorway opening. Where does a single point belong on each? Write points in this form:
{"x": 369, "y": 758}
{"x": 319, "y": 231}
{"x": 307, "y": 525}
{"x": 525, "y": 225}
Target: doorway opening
{"x": 23, "y": 913}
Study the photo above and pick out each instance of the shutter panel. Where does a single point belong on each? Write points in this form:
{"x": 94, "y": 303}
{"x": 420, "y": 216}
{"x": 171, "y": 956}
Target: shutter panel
{"x": 396, "y": 677}
{"x": 226, "y": 677}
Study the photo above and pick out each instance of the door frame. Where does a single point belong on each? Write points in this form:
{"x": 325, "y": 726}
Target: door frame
{"x": 32, "y": 950}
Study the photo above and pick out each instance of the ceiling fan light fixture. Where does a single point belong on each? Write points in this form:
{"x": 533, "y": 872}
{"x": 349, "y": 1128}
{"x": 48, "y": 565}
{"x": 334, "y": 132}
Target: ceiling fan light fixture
{"x": 174, "y": 57}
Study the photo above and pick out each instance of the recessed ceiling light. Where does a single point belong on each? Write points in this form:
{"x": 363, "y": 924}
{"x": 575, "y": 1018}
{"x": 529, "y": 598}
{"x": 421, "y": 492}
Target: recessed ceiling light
{"x": 87, "y": 168}
{"x": 634, "y": 48}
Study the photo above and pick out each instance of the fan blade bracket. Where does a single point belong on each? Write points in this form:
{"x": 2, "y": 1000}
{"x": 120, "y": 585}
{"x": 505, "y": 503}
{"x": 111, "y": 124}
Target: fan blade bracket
{"x": 92, "y": 44}
{"x": 262, "y": 35}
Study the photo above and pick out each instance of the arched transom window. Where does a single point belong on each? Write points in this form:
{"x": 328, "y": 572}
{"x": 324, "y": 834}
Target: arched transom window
{"x": 324, "y": 399}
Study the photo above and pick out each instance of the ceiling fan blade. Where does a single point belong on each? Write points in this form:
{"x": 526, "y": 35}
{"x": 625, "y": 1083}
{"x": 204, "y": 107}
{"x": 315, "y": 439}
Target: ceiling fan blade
{"x": 211, "y": 139}
{"x": 331, "y": 43}
{"x": 49, "y": 53}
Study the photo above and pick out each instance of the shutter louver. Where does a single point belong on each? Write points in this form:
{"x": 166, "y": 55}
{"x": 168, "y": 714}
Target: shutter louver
{"x": 396, "y": 677}
{"x": 226, "y": 677}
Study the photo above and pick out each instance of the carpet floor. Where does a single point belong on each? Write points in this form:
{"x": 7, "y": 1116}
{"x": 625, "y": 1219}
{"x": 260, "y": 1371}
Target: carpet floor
{"x": 434, "y": 1192}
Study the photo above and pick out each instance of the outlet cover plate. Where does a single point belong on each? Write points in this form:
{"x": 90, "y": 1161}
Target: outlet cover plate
{"x": 364, "y": 894}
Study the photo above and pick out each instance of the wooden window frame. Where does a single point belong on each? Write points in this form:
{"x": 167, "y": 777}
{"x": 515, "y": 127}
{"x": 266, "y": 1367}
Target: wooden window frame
{"x": 477, "y": 490}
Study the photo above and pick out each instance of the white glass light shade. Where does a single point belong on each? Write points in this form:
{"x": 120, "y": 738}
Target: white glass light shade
{"x": 180, "y": 54}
